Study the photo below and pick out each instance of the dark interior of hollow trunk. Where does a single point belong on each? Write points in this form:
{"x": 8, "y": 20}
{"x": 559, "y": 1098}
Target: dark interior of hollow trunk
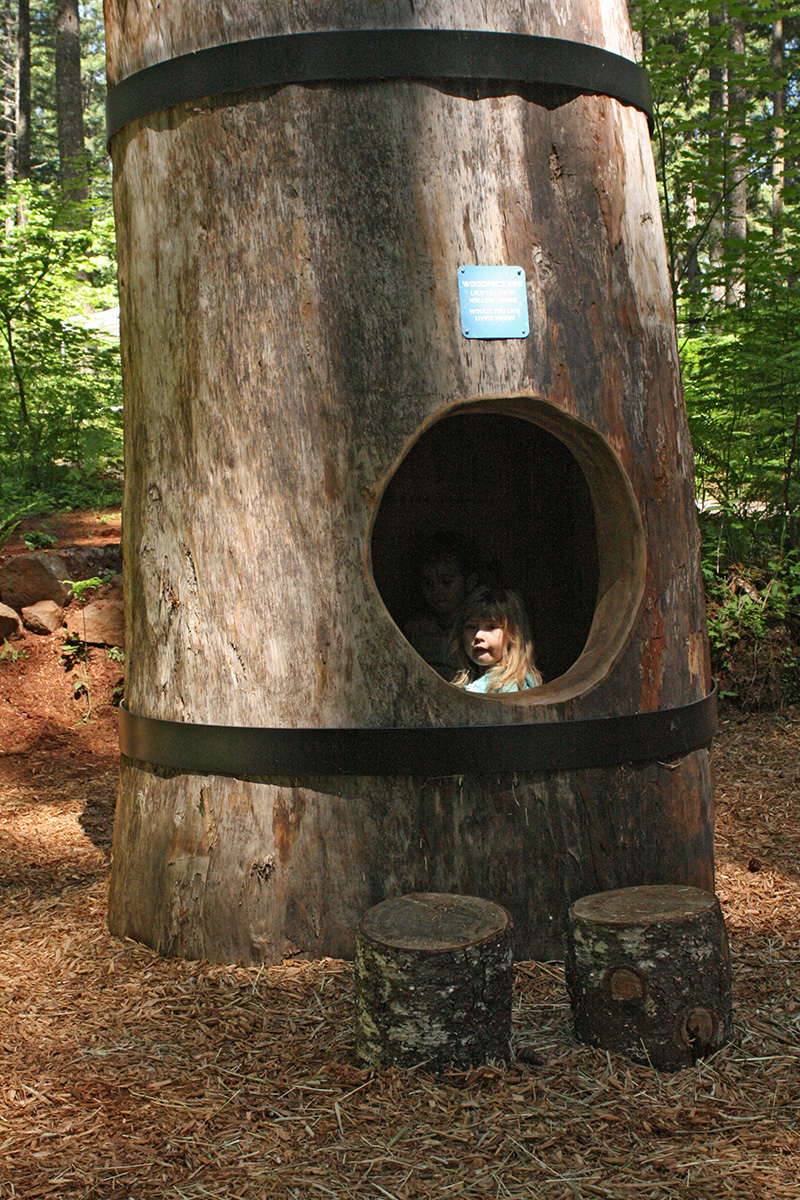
{"x": 519, "y": 494}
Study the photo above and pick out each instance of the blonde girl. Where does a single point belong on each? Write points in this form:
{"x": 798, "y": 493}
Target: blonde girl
{"x": 493, "y": 644}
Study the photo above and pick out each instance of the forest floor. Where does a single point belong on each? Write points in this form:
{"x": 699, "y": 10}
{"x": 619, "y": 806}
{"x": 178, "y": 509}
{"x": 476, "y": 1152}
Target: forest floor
{"x": 128, "y": 1077}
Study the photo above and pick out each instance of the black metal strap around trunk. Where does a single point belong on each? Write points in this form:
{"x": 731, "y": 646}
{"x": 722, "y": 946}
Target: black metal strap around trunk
{"x": 367, "y": 54}
{"x": 661, "y": 736}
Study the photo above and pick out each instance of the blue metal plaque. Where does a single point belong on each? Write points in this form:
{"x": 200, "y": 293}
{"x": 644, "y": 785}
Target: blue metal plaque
{"x": 494, "y": 302}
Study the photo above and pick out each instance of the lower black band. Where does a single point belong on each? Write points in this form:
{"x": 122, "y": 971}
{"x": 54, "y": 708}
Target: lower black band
{"x": 661, "y": 736}
{"x": 366, "y": 54}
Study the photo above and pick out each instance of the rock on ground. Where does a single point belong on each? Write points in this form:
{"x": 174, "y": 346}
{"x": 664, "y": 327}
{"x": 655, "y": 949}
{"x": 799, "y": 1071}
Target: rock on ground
{"x": 44, "y": 617}
{"x": 28, "y": 578}
{"x": 10, "y": 624}
{"x": 101, "y": 623}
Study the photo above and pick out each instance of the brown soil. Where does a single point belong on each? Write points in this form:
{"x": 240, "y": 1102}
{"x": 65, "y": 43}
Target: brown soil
{"x": 96, "y": 527}
{"x": 128, "y": 1077}
{"x": 57, "y": 711}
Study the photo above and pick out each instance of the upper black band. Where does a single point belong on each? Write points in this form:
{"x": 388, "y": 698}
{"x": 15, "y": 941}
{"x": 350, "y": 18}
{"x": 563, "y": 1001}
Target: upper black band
{"x": 664, "y": 735}
{"x": 364, "y": 54}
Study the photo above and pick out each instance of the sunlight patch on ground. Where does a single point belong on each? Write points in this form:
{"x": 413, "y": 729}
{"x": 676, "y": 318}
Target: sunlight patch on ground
{"x": 42, "y": 838}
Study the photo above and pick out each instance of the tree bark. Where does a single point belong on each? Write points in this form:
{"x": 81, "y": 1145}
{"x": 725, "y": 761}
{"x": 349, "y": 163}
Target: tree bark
{"x": 778, "y": 133}
{"x": 288, "y": 265}
{"x": 649, "y": 974}
{"x": 737, "y": 141}
{"x": 717, "y": 156}
{"x": 69, "y": 103}
{"x": 9, "y": 81}
{"x": 690, "y": 280}
{"x": 433, "y": 982}
{"x": 23, "y": 98}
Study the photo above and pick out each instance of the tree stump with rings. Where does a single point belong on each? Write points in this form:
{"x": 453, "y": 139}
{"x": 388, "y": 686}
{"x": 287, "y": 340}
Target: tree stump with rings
{"x": 649, "y": 975}
{"x": 433, "y": 981}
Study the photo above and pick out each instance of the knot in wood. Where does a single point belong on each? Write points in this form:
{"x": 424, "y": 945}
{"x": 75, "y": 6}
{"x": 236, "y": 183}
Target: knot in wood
{"x": 627, "y": 986}
{"x": 697, "y": 1028}
{"x": 648, "y": 972}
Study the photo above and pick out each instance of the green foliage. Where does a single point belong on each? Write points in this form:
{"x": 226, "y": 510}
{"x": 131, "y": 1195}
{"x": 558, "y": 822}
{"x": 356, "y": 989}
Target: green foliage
{"x": 76, "y": 648}
{"x": 743, "y": 400}
{"x": 80, "y": 588}
{"x": 735, "y": 609}
{"x": 73, "y": 650}
{"x": 12, "y": 510}
{"x": 17, "y": 501}
{"x": 12, "y": 652}
{"x": 60, "y": 389}
{"x": 116, "y": 655}
{"x": 736, "y": 293}
{"x": 38, "y": 539}
{"x": 715, "y": 121}
{"x": 752, "y": 584}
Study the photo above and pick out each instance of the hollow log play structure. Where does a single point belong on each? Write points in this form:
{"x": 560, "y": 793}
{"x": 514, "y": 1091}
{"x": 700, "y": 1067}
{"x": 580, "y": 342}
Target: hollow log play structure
{"x": 323, "y": 211}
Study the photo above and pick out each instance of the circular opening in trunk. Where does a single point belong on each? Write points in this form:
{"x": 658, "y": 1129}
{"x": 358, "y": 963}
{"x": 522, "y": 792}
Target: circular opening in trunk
{"x": 546, "y": 505}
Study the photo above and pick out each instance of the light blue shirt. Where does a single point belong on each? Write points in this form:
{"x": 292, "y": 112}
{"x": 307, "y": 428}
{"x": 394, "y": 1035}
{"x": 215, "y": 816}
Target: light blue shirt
{"x": 481, "y": 684}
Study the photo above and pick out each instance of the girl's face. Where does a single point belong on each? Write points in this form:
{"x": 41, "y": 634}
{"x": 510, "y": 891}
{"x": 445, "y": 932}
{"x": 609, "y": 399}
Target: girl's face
{"x": 484, "y": 641}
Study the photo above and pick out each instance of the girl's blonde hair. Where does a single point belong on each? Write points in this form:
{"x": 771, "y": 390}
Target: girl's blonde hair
{"x": 506, "y": 609}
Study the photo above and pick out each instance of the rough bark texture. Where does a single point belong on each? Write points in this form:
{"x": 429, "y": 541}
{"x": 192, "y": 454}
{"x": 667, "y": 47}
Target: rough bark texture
{"x": 649, "y": 974}
{"x": 778, "y": 131}
{"x": 23, "y": 114}
{"x": 288, "y": 283}
{"x": 69, "y": 100}
{"x": 718, "y": 79}
{"x": 7, "y": 49}
{"x": 739, "y": 166}
{"x": 433, "y": 982}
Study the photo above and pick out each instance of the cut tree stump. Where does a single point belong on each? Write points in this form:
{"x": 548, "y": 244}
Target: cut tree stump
{"x": 433, "y": 978}
{"x": 649, "y": 974}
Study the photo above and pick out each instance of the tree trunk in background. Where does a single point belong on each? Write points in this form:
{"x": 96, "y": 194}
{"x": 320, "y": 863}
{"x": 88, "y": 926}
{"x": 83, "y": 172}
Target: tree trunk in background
{"x": 737, "y": 142}
{"x": 288, "y": 269}
{"x": 23, "y": 98}
{"x": 9, "y": 85}
{"x": 717, "y": 156}
{"x": 69, "y": 103}
{"x": 690, "y": 267}
{"x": 638, "y": 32}
{"x": 778, "y": 162}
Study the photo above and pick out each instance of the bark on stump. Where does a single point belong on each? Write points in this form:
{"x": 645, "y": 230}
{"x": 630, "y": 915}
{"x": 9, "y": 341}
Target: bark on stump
{"x": 433, "y": 976}
{"x": 649, "y": 974}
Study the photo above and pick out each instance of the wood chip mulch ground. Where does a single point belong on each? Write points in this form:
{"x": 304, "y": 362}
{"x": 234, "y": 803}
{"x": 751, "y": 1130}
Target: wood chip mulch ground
{"x": 126, "y": 1076}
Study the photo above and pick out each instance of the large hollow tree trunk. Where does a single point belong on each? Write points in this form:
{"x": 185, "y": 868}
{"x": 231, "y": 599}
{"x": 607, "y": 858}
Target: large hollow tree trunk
{"x": 288, "y": 266}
